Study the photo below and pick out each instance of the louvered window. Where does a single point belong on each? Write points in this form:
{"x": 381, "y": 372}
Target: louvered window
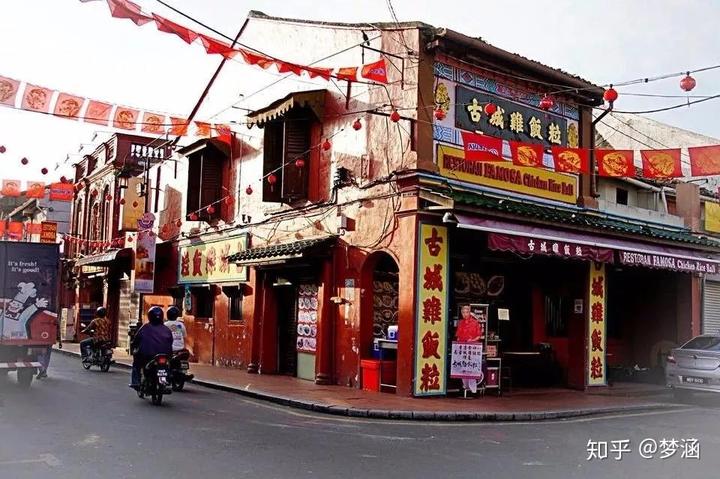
{"x": 205, "y": 183}
{"x": 286, "y": 141}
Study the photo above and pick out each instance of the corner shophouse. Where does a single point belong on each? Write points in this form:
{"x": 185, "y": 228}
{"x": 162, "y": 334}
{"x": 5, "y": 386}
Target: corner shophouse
{"x": 392, "y": 219}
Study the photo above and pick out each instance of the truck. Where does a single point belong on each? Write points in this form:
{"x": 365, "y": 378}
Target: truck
{"x": 28, "y": 306}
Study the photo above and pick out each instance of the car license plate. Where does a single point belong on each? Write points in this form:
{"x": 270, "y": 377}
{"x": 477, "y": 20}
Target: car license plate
{"x": 162, "y": 373}
{"x": 692, "y": 380}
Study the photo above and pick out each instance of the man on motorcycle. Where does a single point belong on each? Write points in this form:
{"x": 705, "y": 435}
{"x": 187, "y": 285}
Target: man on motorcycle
{"x": 151, "y": 339}
{"x": 101, "y": 330}
{"x": 177, "y": 327}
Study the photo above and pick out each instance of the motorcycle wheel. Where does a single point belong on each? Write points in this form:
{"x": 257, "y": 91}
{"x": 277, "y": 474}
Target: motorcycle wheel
{"x": 157, "y": 399}
{"x": 178, "y": 385}
{"x": 105, "y": 366}
{"x": 87, "y": 363}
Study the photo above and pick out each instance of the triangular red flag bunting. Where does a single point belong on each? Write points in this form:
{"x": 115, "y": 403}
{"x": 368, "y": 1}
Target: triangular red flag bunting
{"x": 524, "y": 154}
{"x": 704, "y": 160}
{"x": 376, "y": 71}
{"x": 254, "y": 59}
{"x": 347, "y": 73}
{"x": 481, "y": 147}
{"x": 213, "y": 46}
{"x": 615, "y": 162}
{"x": 571, "y": 160}
{"x": 129, "y": 10}
{"x": 319, "y": 72}
{"x": 203, "y": 129}
{"x": 167, "y": 26}
{"x": 179, "y": 126}
{"x": 661, "y": 163}
{"x": 284, "y": 67}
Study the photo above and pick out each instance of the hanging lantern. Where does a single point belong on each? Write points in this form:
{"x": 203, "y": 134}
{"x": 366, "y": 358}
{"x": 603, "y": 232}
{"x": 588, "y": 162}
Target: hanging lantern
{"x": 210, "y": 209}
{"x": 357, "y": 125}
{"x": 135, "y": 204}
{"x": 178, "y": 223}
{"x": 490, "y": 108}
{"x": 687, "y": 83}
{"x": 129, "y": 239}
{"x": 122, "y": 201}
{"x": 229, "y": 200}
{"x": 440, "y": 114}
{"x": 94, "y": 193}
{"x": 610, "y": 95}
{"x": 272, "y": 179}
{"x": 326, "y": 145}
{"x": 108, "y": 198}
{"x": 193, "y": 217}
{"x": 44, "y": 171}
{"x": 300, "y": 163}
{"x": 2, "y": 149}
{"x": 546, "y": 103}
{"x": 395, "y": 116}
{"x": 63, "y": 179}
{"x": 24, "y": 161}
{"x": 248, "y": 190}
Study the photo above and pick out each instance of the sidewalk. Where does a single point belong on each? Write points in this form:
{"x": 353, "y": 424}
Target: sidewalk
{"x": 521, "y": 405}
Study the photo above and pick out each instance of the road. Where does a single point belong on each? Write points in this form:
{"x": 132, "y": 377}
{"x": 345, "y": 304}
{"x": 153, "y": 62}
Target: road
{"x": 90, "y": 424}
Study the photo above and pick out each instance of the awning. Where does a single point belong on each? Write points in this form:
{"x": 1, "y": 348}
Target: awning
{"x": 313, "y": 99}
{"x": 199, "y": 145}
{"x": 529, "y": 239}
{"x": 280, "y": 253}
{"x": 104, "y": 259}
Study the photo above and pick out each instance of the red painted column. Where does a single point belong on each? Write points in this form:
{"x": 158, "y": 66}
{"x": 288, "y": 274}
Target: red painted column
{"x": 406, "y": 247}
{"x": 326, "y": 321}
{"x": 252, "y": 306}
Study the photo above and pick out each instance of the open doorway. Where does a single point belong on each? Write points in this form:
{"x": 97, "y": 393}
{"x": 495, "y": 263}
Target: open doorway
{"x": 286, "y": 297}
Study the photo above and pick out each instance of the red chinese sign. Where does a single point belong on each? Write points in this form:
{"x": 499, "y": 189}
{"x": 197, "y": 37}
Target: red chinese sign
{"x": 562, "y": 249}
{"x": 432, "y": 311}
{"x": 596, "y": 342}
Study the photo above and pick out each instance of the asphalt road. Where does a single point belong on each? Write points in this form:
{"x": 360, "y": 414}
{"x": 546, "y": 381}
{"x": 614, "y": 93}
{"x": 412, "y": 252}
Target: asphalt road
{"x": 90, "y": 424}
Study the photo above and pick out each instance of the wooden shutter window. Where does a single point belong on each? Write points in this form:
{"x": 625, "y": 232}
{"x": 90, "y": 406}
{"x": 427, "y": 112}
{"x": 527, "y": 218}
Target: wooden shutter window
{"x": 193, "y": 190}
{"x": 272, "y": 159}
{"x": 211, "y": 181}
{"x": 296, "y": 145}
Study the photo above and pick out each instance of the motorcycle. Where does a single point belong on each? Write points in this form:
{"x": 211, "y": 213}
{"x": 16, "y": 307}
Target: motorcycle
{"x": 155, "y": 379}
{"x": 101, "y": 356}
{"x": 179, "y": 366}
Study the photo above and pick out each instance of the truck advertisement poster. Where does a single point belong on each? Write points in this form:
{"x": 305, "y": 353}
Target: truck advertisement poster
{"x": 28, "y": 278}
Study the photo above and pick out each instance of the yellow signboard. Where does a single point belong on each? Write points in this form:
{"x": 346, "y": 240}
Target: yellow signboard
{"x": 432, "y": 311}
{"x": 206, "y": 262}
{"x": 506, "y": 176}
{"x": 596, "y": 342}
{"x": 712, "y": 217}
{"x": 134, "y": 206}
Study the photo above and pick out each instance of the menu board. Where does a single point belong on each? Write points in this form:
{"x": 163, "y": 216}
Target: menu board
{"x": 466, "y": 360}
{"x": 307, "y": 318}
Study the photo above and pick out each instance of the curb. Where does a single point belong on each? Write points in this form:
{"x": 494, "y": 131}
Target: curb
{"x": 406, "y": 415}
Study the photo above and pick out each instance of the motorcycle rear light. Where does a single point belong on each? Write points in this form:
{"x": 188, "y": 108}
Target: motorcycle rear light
{"x": 671, "y": 359}
{"x": 162, "y": 360}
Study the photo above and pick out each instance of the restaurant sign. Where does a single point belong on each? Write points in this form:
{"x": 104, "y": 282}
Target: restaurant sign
{"x": 558, "y": 249}
{"x": 684, "y": 265}
{"x": 432, "y": 311}
{"x": 512, "y": 121}
{"x": 206, "y": 262}
{"x": 506, "y": 176}
{"x": 597, "y": 314}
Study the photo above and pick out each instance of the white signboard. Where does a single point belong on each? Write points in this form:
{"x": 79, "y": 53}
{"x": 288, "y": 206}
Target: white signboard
{"x": 466, "y": 360}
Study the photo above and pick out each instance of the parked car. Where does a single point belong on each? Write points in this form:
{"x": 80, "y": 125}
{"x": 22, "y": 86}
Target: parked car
{"x": 695, "y": 366}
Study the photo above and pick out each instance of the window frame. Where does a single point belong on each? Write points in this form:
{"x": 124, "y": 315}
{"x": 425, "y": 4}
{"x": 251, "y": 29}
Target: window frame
{"x": 199, "y": 295}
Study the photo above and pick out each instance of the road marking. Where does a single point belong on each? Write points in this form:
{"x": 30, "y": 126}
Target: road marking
{"x": 533, "y": 463}
{"x": 47, "y": 459}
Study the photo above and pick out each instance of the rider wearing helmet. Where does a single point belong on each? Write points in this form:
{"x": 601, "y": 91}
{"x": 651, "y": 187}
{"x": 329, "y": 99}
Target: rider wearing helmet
{"x": 100, "y": 328}
{"x": 177, "y": 327}
{"x": 151, "y": 339}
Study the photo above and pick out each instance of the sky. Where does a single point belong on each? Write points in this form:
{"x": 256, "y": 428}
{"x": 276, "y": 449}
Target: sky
{"x": 79, "y": 48}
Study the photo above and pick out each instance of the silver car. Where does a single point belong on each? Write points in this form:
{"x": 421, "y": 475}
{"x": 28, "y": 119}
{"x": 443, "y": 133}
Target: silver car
{"x": 695, "y": 365}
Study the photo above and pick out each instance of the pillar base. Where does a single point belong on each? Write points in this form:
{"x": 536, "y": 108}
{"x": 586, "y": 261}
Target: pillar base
{"x": 253, "y": 368}
{"x": 323, "y": 379}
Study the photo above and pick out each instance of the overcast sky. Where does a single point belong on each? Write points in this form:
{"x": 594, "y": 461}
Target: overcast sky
{"x": 77, "y": 47}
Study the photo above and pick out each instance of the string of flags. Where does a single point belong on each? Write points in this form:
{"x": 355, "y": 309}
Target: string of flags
{"x": 663, "y": 164}
{"x": 375, "y": 71}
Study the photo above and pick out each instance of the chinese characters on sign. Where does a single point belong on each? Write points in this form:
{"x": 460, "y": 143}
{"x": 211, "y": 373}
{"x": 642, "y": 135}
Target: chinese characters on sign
{"x": 466, "y": 360}
{"x": 596, "y": 326}
{"x": 530, "y": 245}
{"x": 648, "y": 448}
{"x": 206, "y": 262}
{"x": 432, "y": 311}
{"x": 144, "y": 245}
{"x": 512, "y": 121}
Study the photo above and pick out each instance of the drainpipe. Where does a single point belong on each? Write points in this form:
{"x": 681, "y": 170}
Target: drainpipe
{"x": 593, "y": 160}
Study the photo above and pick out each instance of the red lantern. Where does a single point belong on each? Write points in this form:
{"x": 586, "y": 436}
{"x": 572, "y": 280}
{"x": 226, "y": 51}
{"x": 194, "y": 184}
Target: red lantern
{"x": 164, "y": 229}
{"x": 129, "y": 239}
{"x": 229, "y": 200}
{"x": 299, "y": 163}
{"x": 135, "y": 204}
{"x": 248, "y": 190}
{"x": 357, "y": 125}
{"x": 108, "y": 198}
{"x": 688, "y": 83}
{"x": 193, "y": 217}
{"x": 122, "y": 201}
{"x": 63, "y": 179}
{"x": 178, "y": 223}
{"x": 440, "y": 114}
{"x": 44, "y": 171}
{"x": 490, "y": 108}
{"x": 24, "y": 161}
{"x": 610, "y": 95}
{"x": 2, "y": 149}
{"x": 395, "y": 116}
{"x": 326, "y": 145}
{"x": 272, "y": 179}
{"x": 210, "y": 209}
{"x": 546, "y": 103}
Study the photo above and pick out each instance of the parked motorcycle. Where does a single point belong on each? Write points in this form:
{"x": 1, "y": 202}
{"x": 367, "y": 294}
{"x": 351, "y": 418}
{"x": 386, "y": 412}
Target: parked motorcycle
{"x": 101, "y": 356}
{"x": 179, "y": 367}
{"x": 155, "y": 379}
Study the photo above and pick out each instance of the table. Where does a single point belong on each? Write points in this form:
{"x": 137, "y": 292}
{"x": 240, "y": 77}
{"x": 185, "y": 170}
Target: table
{"x": 386, "y": 344}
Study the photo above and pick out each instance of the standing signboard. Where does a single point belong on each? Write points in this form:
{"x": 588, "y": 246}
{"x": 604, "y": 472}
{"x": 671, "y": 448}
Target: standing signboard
{"x": 144, "y": 268}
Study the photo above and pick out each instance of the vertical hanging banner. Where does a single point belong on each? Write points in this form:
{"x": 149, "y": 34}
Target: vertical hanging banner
{"x": 432, "y": 311}
{"x": 144, "y": 270}
{"x": 596, "y": 341}
{"x": 48, "y": 232}
{"x": 134, "y": 206}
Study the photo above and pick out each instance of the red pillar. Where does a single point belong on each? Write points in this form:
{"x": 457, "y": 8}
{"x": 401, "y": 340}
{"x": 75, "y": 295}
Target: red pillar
{"x": 326, "y": 320}
{"x": 253, "y": 304}
{"x": 406, "y": 247}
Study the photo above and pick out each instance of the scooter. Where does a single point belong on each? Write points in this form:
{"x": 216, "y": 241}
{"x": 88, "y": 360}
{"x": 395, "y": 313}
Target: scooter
{"x": 155, "y": 379}
{"x": 179, "y": 366}
{"x": 101, "y": 355}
